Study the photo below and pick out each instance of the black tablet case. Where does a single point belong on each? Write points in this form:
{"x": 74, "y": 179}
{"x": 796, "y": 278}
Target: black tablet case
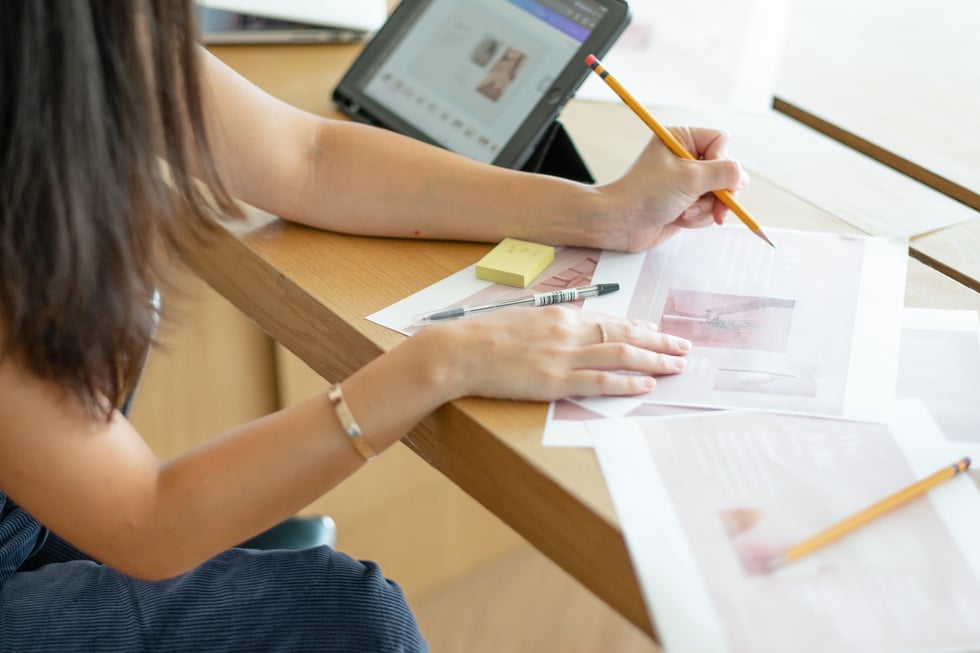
{"x": 556, "y": 155}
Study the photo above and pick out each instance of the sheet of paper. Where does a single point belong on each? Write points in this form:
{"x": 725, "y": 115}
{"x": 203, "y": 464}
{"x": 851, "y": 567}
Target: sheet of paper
{"x": 810, "y": 328}
{"x": 705, "y": 501}
{"x": 572, "y": 267}
{"x": 705, "y": 54}
{"x": 939, "y": 363}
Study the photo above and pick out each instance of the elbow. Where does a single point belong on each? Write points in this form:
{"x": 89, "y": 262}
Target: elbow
{"x": 152, "y": 558}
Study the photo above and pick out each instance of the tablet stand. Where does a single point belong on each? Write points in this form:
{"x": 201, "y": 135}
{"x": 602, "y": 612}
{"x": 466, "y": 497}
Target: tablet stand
{"x": 557, "y": 155}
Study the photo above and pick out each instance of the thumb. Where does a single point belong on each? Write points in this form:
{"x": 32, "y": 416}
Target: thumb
{"x": 720, "y": 174}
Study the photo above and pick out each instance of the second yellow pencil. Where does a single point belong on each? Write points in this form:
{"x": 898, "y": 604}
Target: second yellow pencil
{"x": 858, "y": 519}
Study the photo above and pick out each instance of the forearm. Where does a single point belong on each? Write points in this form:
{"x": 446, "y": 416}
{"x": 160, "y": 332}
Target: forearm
{"x": 99, "y": 486}
{"x": 253, "y": 477}
{"x": 353, "y": 178}
{"x": 369, "y": 181}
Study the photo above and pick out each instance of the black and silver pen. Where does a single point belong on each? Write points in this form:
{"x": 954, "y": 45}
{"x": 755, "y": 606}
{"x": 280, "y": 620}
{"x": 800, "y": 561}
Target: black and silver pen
{"x": 537, "y": 299}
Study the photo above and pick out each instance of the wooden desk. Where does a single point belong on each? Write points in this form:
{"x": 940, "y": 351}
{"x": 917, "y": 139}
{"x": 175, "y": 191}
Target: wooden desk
{"x": 898, "y": 79}
{"x": 298, "y": 284}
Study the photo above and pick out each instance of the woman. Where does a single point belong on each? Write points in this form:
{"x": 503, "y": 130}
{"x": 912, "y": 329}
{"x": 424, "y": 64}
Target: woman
{"x": 96, "y": 94}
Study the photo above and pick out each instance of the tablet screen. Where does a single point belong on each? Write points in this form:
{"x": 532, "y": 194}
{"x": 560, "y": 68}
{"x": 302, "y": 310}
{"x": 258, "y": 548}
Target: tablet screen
{"x": 468, "y": 74}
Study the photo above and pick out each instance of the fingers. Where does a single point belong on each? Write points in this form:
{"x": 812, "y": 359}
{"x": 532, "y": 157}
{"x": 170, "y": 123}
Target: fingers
{"x": 722, "y": 174}
{"x": 710, "y": 146}
{"x": 714, "y": 175}
{"x": 603, "y": 335}
{"x": 699, "y": 211}
{"x": 705, "y": 212}
{"x": 550, "y": 352}
{"x": 707, "y": 143}
{"x": 713, "y": 171}
{"x": 640, "y": 334}
{"x": 585, "y": 383}
{"x": 638, "y": 347}
{"x": 624, "y": 358}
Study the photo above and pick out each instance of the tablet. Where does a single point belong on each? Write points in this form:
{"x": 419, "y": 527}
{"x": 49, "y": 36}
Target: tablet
{"x": 484, "y": 78}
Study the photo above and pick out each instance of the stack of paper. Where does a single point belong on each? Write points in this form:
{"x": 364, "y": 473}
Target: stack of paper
{"x": 817, "y": 395}
{"x": 811, "y": 392}
{"x": 707, "y": 501}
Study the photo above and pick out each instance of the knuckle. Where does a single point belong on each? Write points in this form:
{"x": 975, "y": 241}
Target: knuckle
{"x": 551, "y": 379}
{"x": 555, "y": 316}
{"x": 665, "y": 362}
{"x": 641, "y": 325}
{"x": 622, "y": 352}
{"x": 556, "y": 333}
{"x": 555, "y": 313}
{"x": 636, "y": 384}
{"x": 605, "y": 382}
{"x": 733, "y": 171}
{"x": 629, "y": 331}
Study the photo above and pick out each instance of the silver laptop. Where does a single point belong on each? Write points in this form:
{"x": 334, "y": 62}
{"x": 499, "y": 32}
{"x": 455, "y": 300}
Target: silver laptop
{"x": 289, "y": 21}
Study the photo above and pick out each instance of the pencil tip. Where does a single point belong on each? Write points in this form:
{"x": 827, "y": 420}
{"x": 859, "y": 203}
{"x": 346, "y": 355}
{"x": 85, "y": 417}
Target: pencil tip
{"x": 776, "y": 563}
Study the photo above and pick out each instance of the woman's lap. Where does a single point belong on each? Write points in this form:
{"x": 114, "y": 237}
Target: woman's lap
{"x": 242, "y": 600}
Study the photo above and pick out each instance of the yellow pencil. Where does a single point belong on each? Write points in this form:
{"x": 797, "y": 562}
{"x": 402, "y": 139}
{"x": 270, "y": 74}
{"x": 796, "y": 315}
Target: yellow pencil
{"x": 858, "y": 519}
{"x": 671, "y": 142}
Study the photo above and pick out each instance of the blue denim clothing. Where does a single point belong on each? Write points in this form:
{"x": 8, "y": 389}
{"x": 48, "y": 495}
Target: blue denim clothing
{"x": 54, "y": 598}
{"x": 20, "y": 537}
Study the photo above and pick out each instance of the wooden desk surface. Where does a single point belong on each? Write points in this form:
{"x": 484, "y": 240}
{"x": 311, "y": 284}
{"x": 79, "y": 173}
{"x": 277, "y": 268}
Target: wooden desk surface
{"x": 900, "y": 75}
{"x": 897, "y": 80}
{"x": 298, "y": 284}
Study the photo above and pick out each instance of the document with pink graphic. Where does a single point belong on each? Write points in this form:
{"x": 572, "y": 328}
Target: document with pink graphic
{"x": 706, "y": 501}
{"x": 809, "y": 328}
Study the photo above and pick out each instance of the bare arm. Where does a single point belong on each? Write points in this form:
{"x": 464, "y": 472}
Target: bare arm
{"x": 353, "y": 178}
{"x": 99, "y": 486}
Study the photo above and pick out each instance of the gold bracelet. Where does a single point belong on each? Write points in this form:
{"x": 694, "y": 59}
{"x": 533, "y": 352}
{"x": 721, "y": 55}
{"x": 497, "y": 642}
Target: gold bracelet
{"x": 340, "y": 407}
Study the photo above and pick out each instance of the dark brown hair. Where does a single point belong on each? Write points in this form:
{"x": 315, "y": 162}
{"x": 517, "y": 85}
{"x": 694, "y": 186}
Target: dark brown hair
{"x": 94, "y": 95}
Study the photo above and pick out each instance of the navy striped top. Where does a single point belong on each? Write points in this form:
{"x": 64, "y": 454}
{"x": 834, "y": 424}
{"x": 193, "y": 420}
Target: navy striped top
{"x": 21, "y": 536}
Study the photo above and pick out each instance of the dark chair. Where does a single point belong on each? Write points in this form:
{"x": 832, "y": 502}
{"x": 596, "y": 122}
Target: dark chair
{"x": 300, "y": 532}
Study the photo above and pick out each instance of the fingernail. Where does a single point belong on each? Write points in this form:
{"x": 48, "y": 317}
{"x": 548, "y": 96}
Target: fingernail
{"x": 680, "y": 364}
{"x": 681, "y": 344}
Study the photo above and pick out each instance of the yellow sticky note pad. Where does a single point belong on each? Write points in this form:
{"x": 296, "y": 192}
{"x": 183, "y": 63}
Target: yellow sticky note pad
{"x": 515, "y": 262}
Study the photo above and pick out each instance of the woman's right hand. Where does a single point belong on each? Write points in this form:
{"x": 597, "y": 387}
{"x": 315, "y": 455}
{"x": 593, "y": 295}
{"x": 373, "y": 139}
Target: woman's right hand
{"x": 549, "y": 353}
{"x": 662, "y": 192}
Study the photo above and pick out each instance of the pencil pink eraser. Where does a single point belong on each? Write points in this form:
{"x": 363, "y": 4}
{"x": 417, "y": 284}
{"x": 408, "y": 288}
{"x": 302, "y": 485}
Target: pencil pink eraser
{"x": 590, "y": 60}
